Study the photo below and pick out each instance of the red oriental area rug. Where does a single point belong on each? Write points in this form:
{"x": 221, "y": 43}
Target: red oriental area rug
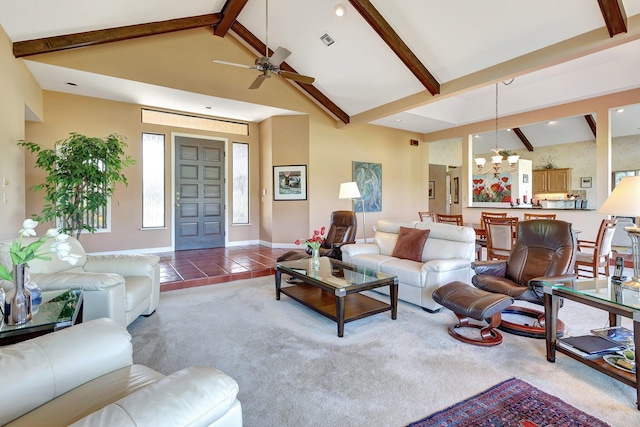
{"x": 512, "y": 403}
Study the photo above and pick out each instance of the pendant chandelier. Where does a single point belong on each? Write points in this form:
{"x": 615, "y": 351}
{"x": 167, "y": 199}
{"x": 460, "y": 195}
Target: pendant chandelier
{"x": 497, "y": 158}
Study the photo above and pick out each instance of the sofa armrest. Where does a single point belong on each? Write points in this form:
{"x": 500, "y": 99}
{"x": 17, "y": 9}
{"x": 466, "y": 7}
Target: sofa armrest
{"x": 124, "y": 265}
{"x": 195, "y": 396}
{"x": 45, "y": 367}
{"x": 349, "y": 251}
{"x": 77, "y": 279}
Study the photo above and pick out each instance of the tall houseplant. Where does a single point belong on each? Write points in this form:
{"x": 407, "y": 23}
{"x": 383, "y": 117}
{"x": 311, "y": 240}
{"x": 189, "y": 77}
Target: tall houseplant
{"x": 82, "y": 174}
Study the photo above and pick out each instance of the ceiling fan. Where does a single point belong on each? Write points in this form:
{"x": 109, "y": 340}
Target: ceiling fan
{"x": 269, "y": 66}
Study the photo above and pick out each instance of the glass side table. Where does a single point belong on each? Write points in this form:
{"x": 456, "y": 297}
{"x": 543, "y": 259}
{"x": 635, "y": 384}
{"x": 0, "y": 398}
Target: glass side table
{"x": 58, "y": 309}
{"x": 615, "y": 299}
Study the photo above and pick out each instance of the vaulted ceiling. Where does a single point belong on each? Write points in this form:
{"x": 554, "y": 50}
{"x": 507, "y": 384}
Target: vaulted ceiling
{"x": 418, "y": 65}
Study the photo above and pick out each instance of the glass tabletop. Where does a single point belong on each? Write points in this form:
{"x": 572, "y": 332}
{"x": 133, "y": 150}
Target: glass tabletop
{"x": 625, "y": 294}
{"x": 59, "y": 308}
{"x": 335, "y": 273}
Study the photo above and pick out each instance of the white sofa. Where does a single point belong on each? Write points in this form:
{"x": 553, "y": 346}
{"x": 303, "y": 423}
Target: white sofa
{"x": 84, "y": 376}
{"x": 121, "y": 287}
{"x": 446, "y": 257}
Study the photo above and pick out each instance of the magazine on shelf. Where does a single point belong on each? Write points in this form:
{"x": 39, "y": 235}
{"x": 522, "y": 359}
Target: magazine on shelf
{"x": 589, "y": 346}
{"x": 572, "y": 349}
{"x": 616, "y": 334}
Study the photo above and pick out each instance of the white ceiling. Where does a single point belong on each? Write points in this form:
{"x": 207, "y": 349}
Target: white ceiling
{"x": 359, "y": 73}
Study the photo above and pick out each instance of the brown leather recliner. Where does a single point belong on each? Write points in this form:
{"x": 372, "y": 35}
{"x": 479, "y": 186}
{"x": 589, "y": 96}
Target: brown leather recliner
{"x": 342, "y": 230}
{"x": 545, "y": 250}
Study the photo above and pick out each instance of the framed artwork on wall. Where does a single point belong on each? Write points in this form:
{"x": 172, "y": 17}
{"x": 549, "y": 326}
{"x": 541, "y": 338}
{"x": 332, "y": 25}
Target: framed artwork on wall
{"x": 290, "y": 182}
{"x": 432, "y": 189}
{"x": 456, "y": 190}
{"x": 585, "y": 182}
{"x": 368, "y": 176}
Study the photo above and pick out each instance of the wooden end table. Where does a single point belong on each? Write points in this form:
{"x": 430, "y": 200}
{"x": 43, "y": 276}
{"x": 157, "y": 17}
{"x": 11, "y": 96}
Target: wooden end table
{"x": 605, "y": 295}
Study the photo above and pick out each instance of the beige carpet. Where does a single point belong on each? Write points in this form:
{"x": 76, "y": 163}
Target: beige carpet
{"x": 293, "y": 370}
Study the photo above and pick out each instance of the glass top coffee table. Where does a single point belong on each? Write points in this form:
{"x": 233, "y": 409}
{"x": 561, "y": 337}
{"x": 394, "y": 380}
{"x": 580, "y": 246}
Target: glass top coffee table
{"x": 619, "y": 300}
{"x": 333, "y": 289}
{"x": 58, "y": 309}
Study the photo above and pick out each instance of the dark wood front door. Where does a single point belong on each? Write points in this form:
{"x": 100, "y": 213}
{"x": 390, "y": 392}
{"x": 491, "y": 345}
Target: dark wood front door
{"x": 200, "y": 221}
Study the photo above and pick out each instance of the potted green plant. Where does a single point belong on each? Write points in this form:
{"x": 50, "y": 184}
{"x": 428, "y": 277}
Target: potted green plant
{"x": 82, "y": 174}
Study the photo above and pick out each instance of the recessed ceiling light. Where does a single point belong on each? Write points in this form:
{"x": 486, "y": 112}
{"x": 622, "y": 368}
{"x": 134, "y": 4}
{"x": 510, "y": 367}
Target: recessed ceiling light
{"x": 552, "y": 122}
{"x": 620, "y": 110}
{"x": 509, "y": 130}
{"x": 71, "y": 84}
{"x": 398, "y": 120}
{"x": 340, "y": 10}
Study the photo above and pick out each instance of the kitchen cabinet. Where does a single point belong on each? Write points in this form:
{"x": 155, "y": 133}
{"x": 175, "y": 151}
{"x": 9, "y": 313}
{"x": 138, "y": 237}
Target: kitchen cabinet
{"x": 551, "y": 181}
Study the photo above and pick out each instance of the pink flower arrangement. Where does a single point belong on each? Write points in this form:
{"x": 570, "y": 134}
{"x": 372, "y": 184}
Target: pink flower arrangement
{"x": 314, "y": 241}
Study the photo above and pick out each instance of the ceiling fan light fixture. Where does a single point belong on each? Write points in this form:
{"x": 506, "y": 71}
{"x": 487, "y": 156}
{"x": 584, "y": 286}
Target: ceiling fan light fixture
{"x": 340, "y": 10}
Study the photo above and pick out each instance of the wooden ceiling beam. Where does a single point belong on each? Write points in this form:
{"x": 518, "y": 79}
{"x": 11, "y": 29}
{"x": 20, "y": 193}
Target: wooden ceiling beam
{"x": 109, "y": 35}
{"x": 230, "y": 12}
{"x": 397, "y": 45}
{"x": 591, "y": 123}
{"x": 614, "y": 16}
{"x": 523, "y": 138}
{"x": 311, "y": 90}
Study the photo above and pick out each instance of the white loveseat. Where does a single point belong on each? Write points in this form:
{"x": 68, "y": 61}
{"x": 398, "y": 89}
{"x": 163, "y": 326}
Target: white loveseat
{"x": 121, "y": 287}
{"x": 446, "y": 257}
{"x": 84, "y": 376}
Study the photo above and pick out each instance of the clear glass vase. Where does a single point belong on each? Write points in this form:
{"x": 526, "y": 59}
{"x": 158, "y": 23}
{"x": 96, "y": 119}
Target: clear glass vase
{"x": 315, "y": 258}
{"x": 17, "y": 309}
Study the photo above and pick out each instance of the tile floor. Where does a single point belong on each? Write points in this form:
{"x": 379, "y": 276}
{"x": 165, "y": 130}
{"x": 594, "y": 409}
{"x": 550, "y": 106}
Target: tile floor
{"x": 185, "y": 269}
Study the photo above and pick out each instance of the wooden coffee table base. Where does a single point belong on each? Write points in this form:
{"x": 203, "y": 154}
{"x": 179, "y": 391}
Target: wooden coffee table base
{"x": 339, "y": 308}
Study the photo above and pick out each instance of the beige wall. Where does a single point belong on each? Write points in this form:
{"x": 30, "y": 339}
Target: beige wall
{"x": 66, "y": 113}
{"x": 279, "y": 140}
{"x": 19, "y": 92}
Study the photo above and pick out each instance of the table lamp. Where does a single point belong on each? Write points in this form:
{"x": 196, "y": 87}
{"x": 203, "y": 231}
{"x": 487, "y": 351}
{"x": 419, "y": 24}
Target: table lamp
{"x": 349, "y": 190}
{"x": 624, "y": 200}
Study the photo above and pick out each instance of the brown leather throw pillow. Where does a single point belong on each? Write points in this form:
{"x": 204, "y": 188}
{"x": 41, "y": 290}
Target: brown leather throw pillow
{"x": 410, "y": 243}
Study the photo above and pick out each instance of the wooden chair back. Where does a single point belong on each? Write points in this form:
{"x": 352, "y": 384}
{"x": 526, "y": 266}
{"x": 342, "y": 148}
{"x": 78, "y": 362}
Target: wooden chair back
{"x": 484, "y": 215}
{"x": 528, "y": 216}
{"x": 592, "y": 255}
{"x": 427, "y": 216}
{"x": 501, "y": 236}
{"x": 449, "y": 219}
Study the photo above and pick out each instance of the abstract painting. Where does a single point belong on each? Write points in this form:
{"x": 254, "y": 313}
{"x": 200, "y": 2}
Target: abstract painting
{"x": 368, "y": 176}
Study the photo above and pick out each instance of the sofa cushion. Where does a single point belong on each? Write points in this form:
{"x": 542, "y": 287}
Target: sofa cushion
{"x": 410, "y": 244}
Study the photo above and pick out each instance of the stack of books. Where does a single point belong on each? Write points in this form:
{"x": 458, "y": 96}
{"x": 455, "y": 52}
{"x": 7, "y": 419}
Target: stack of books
{"x": 601, "y": 342}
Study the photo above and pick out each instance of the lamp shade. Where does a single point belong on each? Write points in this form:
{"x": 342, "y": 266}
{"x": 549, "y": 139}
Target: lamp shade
{"x": 624, "y": 200}
{"x": 349, "y": 190}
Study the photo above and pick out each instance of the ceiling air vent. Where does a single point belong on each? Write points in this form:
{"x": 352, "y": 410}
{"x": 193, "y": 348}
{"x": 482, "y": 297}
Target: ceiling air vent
{"x": 327, "y": 39}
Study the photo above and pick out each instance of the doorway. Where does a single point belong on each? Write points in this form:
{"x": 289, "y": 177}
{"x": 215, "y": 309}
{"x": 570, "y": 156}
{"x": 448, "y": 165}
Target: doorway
{"x": 199, "y": 193}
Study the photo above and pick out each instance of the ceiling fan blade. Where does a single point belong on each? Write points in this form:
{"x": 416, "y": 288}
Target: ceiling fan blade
{"x": 279, "y": 56}
{"x": 233, "y": 64}
{"x": 258, "y": 81}
{"x": 297, "y": 77}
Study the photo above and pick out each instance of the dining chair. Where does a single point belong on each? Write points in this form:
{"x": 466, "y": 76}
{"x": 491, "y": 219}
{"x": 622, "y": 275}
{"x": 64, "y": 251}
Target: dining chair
{"x": 484, "y": 215}
{"x": 592, "y": 255}
{"x": 481, "y": 233}
{"x": 449, "y": 219}
{"x": 427, "y": 216}
{"x": 528, "y": 216}
{"x": 501, "y": 236}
